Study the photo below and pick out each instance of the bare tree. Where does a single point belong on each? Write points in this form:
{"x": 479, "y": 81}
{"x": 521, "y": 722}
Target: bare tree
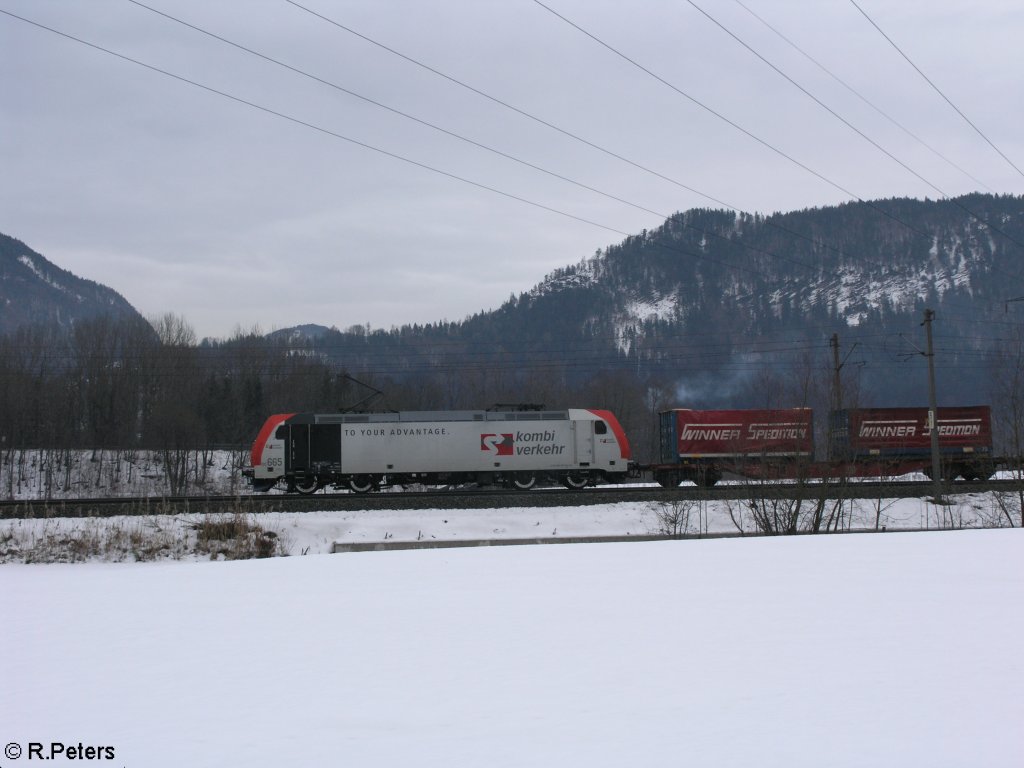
{"x": 1007, "y": 382}
{"x": 680, "y": 517}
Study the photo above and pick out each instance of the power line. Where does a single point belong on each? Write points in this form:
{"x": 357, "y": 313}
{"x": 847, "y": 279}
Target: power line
{"x": 460, "y": 137}
{"x": 816, "y": 100}
{"x": 723, "y": 118}
{"x": 312, "y": 126}
{"x": 289, "y": 355}
{"x": 530, "y": 116}
{"x": 400, "y": 113}
{"x": 385, "y": 152}
{"x": 509, "y": 106}
{"x": 393, "y": 155}
{"x": 767, "y": 144}
{"x": 574, "y": 136}
{"x": 552, "y": 126}
{"x": 935, "y": 87}
{"x": 863, "y": 98}
{"x": 852, "y": 127}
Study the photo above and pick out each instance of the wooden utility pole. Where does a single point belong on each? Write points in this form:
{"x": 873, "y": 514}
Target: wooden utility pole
{"x": 933, "y": 410}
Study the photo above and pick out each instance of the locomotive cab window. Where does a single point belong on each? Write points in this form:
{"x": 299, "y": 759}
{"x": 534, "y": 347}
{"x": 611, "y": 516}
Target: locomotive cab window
{"x": 600, "y": 428}
{"x": 281, "y": 433}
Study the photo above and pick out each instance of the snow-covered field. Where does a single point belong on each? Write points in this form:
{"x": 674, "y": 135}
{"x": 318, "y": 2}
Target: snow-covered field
{"x": 177, "y": 537}
{"x": 895, "y": 649}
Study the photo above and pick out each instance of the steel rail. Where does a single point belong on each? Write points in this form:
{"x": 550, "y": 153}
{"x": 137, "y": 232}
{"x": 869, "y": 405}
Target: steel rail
{"x": 256, "y": 503}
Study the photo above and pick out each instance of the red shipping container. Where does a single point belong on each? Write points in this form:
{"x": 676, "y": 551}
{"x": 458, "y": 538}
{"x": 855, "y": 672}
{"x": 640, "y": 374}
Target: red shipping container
{"x": 895, "y": 431}
{"x": 747, "y": 432}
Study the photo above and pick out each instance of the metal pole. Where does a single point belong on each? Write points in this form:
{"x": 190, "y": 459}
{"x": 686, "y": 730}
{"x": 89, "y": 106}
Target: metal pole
{"x": 837, "y": 384}
{"x": 837, "y": 393}
{"x": 933, "y": 411}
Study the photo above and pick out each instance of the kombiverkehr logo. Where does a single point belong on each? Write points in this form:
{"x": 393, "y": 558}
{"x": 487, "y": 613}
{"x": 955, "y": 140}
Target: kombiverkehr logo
{"x": 499, "y": 445}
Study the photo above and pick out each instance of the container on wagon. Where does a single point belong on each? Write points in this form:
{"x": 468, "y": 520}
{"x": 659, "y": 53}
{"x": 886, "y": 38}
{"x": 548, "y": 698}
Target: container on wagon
{"x": 858, "y": 433}
{"x": 727, "y": 434}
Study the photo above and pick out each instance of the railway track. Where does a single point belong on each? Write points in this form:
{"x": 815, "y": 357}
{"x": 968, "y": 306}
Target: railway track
{"x": 479, "y": 498}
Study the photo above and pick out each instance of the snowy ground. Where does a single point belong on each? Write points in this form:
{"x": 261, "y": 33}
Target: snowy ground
{"x": 174, "y": 537}
{"x": 41, "y": 473}
{"x": 897, "y": 649}
{"x": 875, "y": 650}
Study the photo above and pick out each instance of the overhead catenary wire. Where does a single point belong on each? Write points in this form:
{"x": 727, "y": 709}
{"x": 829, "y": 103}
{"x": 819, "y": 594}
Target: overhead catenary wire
{"x": 851, "y": 126}
{"x": 312, "y": 126}
{"x": 661, "y": 215}
{"x": 400, "y": 113}
{"x": 243, "y": 352}
{"x": 509, "y": 106}
{"x": 677, "y": 364}
{"x": 676, "y": 351}
{"x": 456, "y": 81}
{"x": 757, "y": 138}
{"x": 431, "y": 125}
{"x": 251, "y": 104}
{"x": 670, "y": 85}
{"x": 936, "y": 88}
{"x": 861, "y": 96}
{"x": 394, "y": 155}
{"x": 546, "y": 123}
{"x": 467, "y": 347}
{"x": 815, "y": 99}
{"x": 728, "y": 121}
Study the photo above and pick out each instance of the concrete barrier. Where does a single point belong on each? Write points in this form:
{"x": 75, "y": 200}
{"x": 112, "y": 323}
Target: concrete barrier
{"x": 385, "y": 546}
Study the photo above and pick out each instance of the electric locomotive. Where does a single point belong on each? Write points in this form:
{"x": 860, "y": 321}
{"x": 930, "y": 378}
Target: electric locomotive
{"x": 366, "y": 451}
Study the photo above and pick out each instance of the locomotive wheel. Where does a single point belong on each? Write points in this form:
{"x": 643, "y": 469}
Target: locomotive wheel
{"x": 307, "y": 485}
{"x": 362, "y": 483}
{"x": 523, "y": 481}
{"x": 575, "y": 481}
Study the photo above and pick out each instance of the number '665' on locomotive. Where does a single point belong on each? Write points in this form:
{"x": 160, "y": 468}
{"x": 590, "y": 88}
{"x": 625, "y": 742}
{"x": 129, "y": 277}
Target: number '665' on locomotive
{"x": 363, "y": 451}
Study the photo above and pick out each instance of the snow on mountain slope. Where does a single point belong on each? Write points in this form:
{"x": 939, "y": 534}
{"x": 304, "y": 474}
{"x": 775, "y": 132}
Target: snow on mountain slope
{"x": 35, "y": 291}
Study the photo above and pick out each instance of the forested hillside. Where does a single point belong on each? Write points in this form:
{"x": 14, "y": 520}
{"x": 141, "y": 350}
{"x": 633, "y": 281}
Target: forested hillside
{"x": 34, "y": 291}
{"x": 708, "y": 304}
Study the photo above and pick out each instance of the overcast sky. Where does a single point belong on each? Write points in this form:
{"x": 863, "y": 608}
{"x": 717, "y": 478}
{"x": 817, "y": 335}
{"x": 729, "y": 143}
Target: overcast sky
{"x": 187, "y": 201}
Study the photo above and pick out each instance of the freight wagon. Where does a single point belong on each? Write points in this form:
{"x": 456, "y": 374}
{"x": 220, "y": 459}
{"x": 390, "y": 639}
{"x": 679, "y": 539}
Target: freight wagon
{"x": 702, "y": 446}
{"x": 365, "y": 451}
{"x": 901, "y": 438}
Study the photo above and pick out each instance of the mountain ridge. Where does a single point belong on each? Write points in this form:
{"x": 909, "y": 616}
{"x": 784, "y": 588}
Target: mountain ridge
{"x": 709, "y": 306}
{"x": 707, "y": 293}
{"x": 35, "y": 291}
